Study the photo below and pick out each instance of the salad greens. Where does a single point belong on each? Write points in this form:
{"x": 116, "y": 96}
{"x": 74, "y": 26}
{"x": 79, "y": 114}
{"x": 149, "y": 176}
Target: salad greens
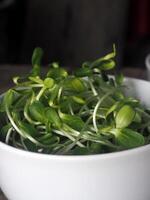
{"x": 85, "y": 112}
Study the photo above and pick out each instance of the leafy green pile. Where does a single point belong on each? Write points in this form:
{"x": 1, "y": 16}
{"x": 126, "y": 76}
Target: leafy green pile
{"x": 85, "y": 112}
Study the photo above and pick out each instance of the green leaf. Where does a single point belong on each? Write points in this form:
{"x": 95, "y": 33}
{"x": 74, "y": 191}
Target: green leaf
{"x": 112, "y": 108}
{"x": 36, "y": 70}
{"x": 36, "y": 110}
{"x": 128, "y": 138}
{"x": 27, "y": 128}
{"x": 110, "y": 55}
{"x": 119, "y": 78}
{"x": 54, "y": 65}
{"x": 125, "y": 116}
{"x": 76, "y": 84}
{"x": 49, "y": 83}
{"x": 95, "y": 148}
{"x": 78, "y": 100}
{"x": 2, "y": 104}
{"x": 53, "y": 95}
{"x": 9, "y": 97}
{"x": 84, "y": 71}
{"x": 57, "y": 73}
{"x": 36, "y": 61}
{"x": 48, "y": 139}
{"x": 73, "y": 121}
{"x": 106, "y": 62}
{"x": 36, "y": 79}
{"x": 53, "y": 117}
{"x": 137, "y": 118}
{"x": 80, "y": 151}
{"x": 4, "y": 131}
{"x": 37, "y": 56}
{"x": 119, "y": 96}
{"x": 30, "y": 145}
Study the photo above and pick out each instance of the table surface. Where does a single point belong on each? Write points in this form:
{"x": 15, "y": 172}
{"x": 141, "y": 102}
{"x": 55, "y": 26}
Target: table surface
{"x": 9, "y": 71}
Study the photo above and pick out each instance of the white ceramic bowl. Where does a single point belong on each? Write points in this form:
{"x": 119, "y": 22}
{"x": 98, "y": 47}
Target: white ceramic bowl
{"x": 147, "y": 63}
{"x": 115, "y": 176}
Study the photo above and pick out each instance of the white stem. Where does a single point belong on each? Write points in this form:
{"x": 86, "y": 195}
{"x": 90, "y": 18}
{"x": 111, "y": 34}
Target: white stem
{"x": 93, "y": 88}
{"x": 96, "y": 108}
{"x": 8, "y": 135}
{"x": 40, "y": 93}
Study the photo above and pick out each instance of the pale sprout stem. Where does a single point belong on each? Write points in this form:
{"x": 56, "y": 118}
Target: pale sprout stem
{"x": 59, "y": 93}
{"x": 96, "y": 109}
{"x": 40, "y": 93}
{"x": 93, "y": 88}
{"x": 8, "y": 135}
{"x": 23, "y": 144}
{"x": 71, "y": 110}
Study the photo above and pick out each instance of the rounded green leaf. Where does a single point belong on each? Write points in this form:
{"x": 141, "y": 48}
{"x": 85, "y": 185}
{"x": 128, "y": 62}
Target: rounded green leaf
{"x": 128, "y": 138}
{"x": 49, "y": 82}
{"x": 76, "y": 84}
{"x": 53, "y": 117}
{"x": 73, "y": 121}
{"x": 124, "y": 116}
{"x": 36, "y": 110}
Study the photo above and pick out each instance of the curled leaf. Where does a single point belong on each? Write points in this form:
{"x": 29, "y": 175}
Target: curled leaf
{"x": 106, "y": 62}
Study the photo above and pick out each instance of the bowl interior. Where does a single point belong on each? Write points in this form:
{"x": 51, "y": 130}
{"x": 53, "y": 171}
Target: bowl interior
{"x": 139, "y": 89}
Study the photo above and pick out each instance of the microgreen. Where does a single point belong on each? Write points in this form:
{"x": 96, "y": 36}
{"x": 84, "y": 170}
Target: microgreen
{"x": 86, "y": 112}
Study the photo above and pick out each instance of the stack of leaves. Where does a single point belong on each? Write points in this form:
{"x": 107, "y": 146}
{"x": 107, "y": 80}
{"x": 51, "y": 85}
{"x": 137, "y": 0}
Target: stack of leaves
{"x": 85, "y": 112}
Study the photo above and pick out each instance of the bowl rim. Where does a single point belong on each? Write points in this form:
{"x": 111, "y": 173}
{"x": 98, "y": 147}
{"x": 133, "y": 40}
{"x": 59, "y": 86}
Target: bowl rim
{"x": 106, "y": 156}
{"x": 35, "y": 155}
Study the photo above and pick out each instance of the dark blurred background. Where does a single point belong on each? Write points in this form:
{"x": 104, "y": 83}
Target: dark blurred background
{"x": 74, "y": 31}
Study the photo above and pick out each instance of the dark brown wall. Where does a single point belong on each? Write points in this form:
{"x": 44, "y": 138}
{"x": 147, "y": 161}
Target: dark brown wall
{"x": 73, "y": 30}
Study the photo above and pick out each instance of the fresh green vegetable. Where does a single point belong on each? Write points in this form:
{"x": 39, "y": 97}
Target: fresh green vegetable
{"x": 82, "y": 113}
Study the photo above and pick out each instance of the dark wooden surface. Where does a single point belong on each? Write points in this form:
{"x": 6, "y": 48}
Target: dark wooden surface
{"x": 7, "y": 72}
